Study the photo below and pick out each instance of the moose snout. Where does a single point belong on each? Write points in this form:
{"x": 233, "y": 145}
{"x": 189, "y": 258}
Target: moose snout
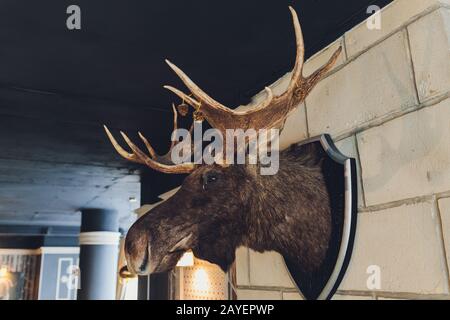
{"x": 137, "y": 252}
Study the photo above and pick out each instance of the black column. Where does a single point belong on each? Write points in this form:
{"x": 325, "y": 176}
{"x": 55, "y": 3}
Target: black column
{"x": 99, "y": 252}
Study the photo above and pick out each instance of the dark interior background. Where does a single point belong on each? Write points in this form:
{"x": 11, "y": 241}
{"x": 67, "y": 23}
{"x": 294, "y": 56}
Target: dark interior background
{"x": 58, "y": 86}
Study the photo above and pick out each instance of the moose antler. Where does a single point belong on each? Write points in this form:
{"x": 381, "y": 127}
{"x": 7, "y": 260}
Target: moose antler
{"x": 270, "y": 113}
{"x": 157, "y": 162}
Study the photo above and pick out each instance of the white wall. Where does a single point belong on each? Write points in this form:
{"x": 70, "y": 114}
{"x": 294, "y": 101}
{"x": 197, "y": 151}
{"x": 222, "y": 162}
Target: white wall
{"x": 386, "y": 103}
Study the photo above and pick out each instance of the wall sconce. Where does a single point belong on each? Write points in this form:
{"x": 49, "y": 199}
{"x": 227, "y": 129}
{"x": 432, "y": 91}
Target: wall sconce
{"x": 187, "y": 260}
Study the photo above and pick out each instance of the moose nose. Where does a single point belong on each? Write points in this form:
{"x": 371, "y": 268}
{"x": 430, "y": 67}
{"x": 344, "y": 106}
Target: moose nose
{"x": 137, "y": 251}
{"x": 144, "y": 263}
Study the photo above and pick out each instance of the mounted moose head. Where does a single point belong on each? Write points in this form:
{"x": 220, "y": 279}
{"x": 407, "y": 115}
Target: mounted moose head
{"x": 221, "y": 207}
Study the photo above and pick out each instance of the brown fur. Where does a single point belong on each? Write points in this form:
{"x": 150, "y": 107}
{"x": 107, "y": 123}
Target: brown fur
{"x": 288, "y": 212}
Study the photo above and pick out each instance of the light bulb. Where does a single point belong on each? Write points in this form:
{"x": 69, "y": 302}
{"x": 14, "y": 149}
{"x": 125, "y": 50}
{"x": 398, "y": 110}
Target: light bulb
{"x": 201, "y": 280}
{"x": 3, "y": 271}
{"x": 187, "y": 260}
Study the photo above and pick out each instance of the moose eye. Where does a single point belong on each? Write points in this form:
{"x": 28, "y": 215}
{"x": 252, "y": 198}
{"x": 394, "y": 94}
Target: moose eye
{"x": 209, "y": 179}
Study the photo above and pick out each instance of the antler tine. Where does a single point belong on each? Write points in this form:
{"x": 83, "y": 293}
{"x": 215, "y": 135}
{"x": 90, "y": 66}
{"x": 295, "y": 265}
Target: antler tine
{"x": 178, "y": 168}
{"x": 138, "y": 152}
{"x": 189, "y": 100}
{"x": 149, "y": 147}
{"x": 314, "y": 78}
{"x": 300, "y": 54}
{"x": 166, "y": 158}
{"x": 195, "y": 90}
{"x": 299, "y": 87}
{"x": 119, "y": 149}
{"x": 140, "y": 157}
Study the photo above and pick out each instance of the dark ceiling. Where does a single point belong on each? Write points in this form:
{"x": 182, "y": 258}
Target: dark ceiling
{"x": 57, "y": 86}
{"x": 232, "y": 48}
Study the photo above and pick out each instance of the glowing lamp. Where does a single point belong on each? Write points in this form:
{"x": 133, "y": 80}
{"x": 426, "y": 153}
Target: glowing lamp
{"x": 187, "y": 260}
{"x": 201, "y": 280}
{"x": 3, "y": 271}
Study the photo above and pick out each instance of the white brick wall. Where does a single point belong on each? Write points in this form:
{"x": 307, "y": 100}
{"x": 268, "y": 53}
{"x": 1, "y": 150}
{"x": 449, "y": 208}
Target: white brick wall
{"x": 429, "y": 37}
{"x": 444, "y": 206}
{"x": 381, "y": 83}
{"x": 387, "y": 104}
{"x": 265, "y": 270}
{"x": 408, "y": 156}
{"x": 394, "y": 17}
{"x": 405, "y": 243}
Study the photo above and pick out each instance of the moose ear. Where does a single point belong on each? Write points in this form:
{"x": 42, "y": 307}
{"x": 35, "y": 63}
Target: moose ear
{"x": 310, "y": 154}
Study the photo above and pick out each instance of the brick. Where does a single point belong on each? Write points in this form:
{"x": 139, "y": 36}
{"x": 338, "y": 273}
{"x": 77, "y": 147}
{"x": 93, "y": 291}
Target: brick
{"x": 268, "y": 269}
{"x": 408, "y": 156}
{"x": 444, "y": 207}
{"x": 430, "y": 50}
{"x": 377, "y": 83}
{"x": 242, "y": 267}
{"x": 393, "y": 17}
{"x": 348, "y": 147}
{"x": 295, "y": 129}
{"x": 405, "y": 243}
{"x": 246, "y": 294}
